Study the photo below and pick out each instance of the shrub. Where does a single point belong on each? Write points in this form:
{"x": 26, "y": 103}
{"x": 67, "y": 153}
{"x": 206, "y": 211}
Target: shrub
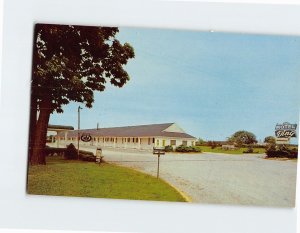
{"x": 186, "y": 149}
{"x": 212, "y": 144}
{"x": 196, "y": 149}
{"x": 249, "y": 150}
{"x": 169, "y": 149}
{"x": 84, "y": 152}
{"x": 51, "y": 151}
{"x": 281, "y": 151}
{"x": 87, "y": 156}
{"x": 182, "y": 148}
{"x": 71, "y": 152}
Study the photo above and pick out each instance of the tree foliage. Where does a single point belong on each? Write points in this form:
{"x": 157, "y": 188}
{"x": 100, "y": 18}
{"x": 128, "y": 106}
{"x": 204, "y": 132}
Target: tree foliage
{"x": 69, "y": 64}
{"x": 200, "y": 141}
{"x": 242, "y": 137}
{"x": 270, "y": 140}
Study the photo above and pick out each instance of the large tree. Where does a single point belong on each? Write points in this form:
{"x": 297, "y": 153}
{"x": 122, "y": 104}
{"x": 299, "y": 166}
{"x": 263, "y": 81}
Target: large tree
{"x": 242, "y": 137}
{"x": 69, "y": 64}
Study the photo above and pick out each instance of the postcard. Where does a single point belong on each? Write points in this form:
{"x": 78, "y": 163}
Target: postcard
{"x": 164, "y": 115}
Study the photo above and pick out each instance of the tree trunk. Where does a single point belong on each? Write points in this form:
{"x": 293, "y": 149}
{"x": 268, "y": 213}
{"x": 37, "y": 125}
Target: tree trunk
{"x": 40, "y": 134}
{"x": 32, "y": 124}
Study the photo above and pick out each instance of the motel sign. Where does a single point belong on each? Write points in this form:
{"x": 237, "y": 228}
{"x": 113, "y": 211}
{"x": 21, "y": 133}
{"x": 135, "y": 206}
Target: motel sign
{"x": 284, "y": 132}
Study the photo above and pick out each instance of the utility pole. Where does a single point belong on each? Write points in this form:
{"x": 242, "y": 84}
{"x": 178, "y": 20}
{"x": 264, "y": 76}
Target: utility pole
{"x": 78, "y": 133}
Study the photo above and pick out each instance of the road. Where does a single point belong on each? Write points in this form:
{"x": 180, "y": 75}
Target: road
{"x": 219, "y": 178}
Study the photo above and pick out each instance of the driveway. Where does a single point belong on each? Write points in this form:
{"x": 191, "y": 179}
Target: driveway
{"x": 219, "y": 178}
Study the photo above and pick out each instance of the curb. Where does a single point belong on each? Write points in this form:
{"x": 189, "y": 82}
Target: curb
{"x": 186, "y": 197}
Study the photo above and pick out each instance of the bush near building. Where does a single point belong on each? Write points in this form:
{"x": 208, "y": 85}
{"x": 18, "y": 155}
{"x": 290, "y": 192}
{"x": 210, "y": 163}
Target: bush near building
{"x": 281, "y": 151}
{"x": 51, "y": 151}
{"x": 187, "y": 149}
{"x": 70, "y": 153}
{"x": 169, "y": 149}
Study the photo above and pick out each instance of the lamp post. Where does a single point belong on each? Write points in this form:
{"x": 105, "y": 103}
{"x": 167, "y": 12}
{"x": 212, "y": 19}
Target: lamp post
{"x": 78, "y": 134}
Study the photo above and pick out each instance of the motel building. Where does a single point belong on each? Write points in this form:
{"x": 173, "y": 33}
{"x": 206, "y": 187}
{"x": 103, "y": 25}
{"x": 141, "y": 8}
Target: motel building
{"x": 140, "y": 137}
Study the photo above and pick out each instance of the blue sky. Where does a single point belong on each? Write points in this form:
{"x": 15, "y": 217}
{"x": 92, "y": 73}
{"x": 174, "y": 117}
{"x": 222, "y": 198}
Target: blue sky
{"x": 211, "y": 84}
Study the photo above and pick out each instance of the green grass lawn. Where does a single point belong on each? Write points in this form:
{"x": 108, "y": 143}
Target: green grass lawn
{"x": 87, "y": 179}
{"x": 236, "y": 151}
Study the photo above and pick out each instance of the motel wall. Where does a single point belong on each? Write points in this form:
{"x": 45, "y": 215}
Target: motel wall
{"x": 140, "y": 143}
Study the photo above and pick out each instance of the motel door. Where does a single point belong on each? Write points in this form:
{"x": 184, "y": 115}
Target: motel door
{"x": 164, "y": 143}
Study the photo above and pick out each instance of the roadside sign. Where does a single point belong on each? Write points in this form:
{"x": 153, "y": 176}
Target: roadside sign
{"x": 158, "y": 151}
{"x": 86, "y": 137}
{"x": 282, "y": 140}
{"x": 285, "y": 131}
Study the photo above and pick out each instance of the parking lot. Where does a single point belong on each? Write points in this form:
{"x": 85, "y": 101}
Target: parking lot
{"x": 219, "y": 178}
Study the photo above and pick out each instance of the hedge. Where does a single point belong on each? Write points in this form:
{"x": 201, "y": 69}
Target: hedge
{"x": 169, "y": 149}
{"x": 187, "y": 149}
{"x": 281, "y": 151}
{"x": 71, "y": 153}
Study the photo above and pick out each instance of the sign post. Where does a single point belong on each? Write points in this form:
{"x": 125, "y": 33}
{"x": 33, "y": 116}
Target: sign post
{"x": 158, "y": 151}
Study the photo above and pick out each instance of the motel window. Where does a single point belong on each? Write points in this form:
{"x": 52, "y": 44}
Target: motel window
{"x": 157, "y": 142}
{"x": 98, "y": 139}
{"x": 184, "y": 143}
{"x": 94, "y": 139}
{"x": 173, "y": 142}
{"x": 153, "y": 140}
{"x": 149, "y": 141}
